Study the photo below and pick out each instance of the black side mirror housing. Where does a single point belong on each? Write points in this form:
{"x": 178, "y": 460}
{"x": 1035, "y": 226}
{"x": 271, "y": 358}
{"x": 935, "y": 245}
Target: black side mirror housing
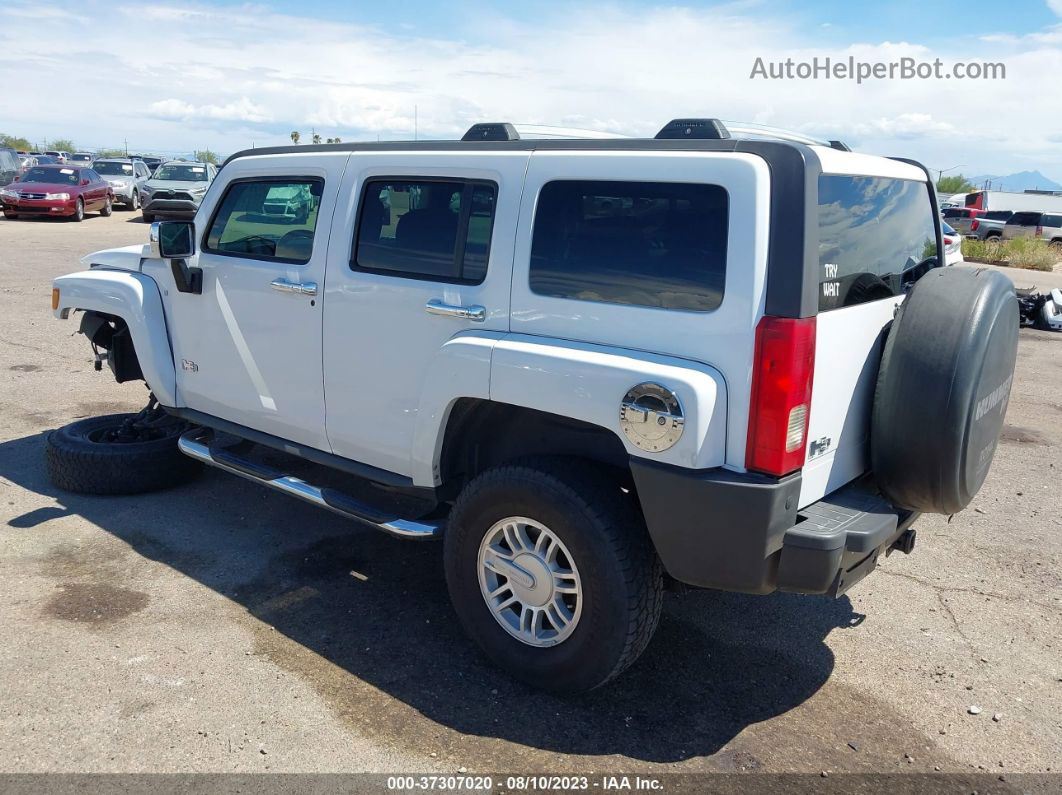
{"x": 175, "y": 241}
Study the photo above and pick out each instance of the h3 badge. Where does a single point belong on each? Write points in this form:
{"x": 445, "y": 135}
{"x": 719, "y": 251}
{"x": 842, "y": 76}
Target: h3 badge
{"x": 819, "y": 447}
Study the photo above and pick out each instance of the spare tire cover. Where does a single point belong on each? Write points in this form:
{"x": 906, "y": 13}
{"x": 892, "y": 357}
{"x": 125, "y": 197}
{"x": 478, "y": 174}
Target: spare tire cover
{"x": 942, "y": 389}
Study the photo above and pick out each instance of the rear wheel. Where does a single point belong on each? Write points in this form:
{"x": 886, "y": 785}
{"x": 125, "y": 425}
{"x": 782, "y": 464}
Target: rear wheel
{"x": 119, "y": 454}
{"x": 551, "y": 571}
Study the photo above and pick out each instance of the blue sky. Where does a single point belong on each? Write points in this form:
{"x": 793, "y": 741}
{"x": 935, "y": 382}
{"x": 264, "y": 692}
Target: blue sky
{"x": 174, "y": 76}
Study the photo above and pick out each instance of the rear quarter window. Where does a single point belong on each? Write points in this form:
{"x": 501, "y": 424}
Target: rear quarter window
{"x": 877, "y": 237}
{"x": 1025, "y": 219}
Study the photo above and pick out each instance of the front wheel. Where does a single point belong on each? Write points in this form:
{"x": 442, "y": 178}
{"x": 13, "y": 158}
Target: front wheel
{"x": 551, "y": 571}
{"x": 148, "y": 218}
{"x": 107, "y": 208}
{"x": 134, "y": 202}
{"x": 79, "y": 212}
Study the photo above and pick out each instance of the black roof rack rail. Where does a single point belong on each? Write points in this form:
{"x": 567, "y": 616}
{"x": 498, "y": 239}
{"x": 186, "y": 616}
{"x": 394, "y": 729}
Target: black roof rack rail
{"x": 841, "y": 145}
{"x": 491, "y": 131}
{"x": 712, "y": 129}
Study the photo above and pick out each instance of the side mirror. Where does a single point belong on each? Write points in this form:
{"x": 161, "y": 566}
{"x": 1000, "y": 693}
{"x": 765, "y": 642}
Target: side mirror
{"x": 17, "y": 177}
{"x": 173, "y": 239}
{"x": 84, "y": 182}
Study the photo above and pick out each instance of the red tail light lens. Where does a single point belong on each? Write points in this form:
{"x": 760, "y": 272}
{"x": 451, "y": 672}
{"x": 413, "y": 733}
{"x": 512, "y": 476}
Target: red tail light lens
{"x": 974, "y": 225}
{"x": 781, "y": 394}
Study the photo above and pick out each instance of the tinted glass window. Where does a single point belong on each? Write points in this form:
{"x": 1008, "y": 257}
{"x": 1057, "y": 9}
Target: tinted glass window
{"x": 1052, "y": 220}
{"x": 652, "y": 244}
{"x": 998, "y": 215}
{"x": 182, "y": 173}
{"x": 877, "y": 237}
{"x": 272, "y": 219}
{"x": 437, "y": 229}
{"x": 955, "y": 213}
{"x": 112, "y": 168}
{"x": 56, "y": 176}
{"x": 1025, "y": 219}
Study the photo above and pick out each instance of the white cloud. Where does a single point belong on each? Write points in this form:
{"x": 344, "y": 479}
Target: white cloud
{"x": 1056, "y": 6}
{"x": 228, "y": 76}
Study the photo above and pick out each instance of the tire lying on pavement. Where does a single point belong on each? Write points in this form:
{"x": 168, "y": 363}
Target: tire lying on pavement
{"x": 943, "y": 387}
{"x": 99, "y": 455}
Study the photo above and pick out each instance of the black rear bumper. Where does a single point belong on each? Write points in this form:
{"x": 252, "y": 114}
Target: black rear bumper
{"x": 742, "y": 532}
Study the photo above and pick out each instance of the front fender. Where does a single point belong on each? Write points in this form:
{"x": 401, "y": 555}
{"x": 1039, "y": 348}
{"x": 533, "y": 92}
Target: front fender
{"x": 134, "y": 298}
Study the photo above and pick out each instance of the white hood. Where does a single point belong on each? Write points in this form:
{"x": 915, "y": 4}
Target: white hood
{"x": 126, "y": 258}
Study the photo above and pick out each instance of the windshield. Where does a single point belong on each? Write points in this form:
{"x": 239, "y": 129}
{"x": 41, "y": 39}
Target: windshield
{"x": 82, "y": 158}
{"x": 58, "y": 176}
{"x": 182, "y": 173}
{"x": 119, "y": 169}
{"x": 43, "y": 160}
{"x": 877, "y": 236}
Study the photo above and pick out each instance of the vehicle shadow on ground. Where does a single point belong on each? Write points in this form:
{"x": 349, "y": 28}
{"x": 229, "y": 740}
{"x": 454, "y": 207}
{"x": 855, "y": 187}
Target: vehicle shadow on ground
{"x": 376, "y": 608}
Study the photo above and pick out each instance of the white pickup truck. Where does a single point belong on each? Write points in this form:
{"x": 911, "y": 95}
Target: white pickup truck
{"x": 717, "y": 357}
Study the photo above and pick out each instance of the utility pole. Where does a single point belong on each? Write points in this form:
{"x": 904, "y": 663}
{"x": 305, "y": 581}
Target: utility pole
{"x": 126, "y": 142}
{"x": 415, "y": 123}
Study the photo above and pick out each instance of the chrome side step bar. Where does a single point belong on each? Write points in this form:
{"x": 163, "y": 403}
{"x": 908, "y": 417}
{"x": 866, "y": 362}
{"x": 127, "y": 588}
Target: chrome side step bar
{"x": 192, "y": 443}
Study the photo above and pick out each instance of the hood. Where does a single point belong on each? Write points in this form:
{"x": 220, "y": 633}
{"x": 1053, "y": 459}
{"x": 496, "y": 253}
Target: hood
{"x": 173, "y": 184}
{"x": 126, "y": 258}
{"x": 43, "y": 187}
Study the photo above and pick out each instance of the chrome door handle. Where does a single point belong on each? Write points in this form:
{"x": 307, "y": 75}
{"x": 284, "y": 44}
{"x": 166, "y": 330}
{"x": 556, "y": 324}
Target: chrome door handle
{"x": 473, "y": 312}
{"x": 298, "y": 288}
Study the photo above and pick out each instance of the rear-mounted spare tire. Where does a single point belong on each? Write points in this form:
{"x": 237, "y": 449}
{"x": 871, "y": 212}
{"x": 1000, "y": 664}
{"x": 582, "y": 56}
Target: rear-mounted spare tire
{"x": 942, "y": 390}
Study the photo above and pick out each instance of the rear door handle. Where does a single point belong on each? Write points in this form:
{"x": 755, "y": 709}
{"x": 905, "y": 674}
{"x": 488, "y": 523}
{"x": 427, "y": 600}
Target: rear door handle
{"x": 473, "y": 312}
{"x": 298, "y": 288}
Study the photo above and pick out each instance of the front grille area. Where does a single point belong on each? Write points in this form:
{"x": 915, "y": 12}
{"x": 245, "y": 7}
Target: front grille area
{"x": 177, "y": 195}
{"x": 31, "y": 195}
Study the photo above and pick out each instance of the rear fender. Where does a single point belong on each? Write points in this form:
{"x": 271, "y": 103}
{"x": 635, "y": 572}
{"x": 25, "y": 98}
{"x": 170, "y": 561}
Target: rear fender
{"x": 134, "y": 298}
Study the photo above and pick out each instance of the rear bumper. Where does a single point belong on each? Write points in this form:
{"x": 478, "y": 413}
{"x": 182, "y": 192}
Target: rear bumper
{"x": 742, "y": 532}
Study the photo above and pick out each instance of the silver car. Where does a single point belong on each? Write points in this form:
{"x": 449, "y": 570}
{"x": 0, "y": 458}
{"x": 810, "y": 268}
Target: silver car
{"x": 1046, "y": 226}
{"x": 176, "y": 189}
{"x": 126, "y": 176}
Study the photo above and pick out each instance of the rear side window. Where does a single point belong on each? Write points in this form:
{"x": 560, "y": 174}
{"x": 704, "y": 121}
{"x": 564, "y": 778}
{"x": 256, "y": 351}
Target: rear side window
{"x": 270, "y": 219}
{"x": 426, "y": 229}
{"x": 1052, "y": 220}
{"x": 655, "y": 244}
{"x": 877, "y": 237}
{"x": 1025, "y": 219}
{"x": 998, "y": 215}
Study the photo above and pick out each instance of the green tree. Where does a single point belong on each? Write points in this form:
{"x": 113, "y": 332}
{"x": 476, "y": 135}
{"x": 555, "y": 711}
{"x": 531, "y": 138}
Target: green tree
{"x": 15, "y": 142}
{"x": 63, "y": 145}
{"x": 206, "y": 156}
{"x": 946, "y": 186}
{"x": 110, "y": 153}
{"x": 295, "y": 136}
{"x": 317, "y": 138}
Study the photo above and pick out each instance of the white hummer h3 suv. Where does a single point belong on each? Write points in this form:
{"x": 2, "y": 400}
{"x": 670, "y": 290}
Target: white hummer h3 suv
{"x": 728, "y": 358}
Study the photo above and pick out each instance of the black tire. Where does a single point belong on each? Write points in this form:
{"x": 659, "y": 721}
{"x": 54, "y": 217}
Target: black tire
{"x": 107, "y": 208}
{"x": 11, "y": 216}
{"x": 134, "y": 202}
{"x": 149, "y": 218}
{"x": 79, "y": 212}
{"x": 78, "y": 463}
{"x": 620, "y": 572}
{"x": 942, "y": 389}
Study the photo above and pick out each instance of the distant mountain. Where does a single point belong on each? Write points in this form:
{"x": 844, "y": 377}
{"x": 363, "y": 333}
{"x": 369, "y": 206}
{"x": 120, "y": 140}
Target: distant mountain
{"x": 1018, "y": 182}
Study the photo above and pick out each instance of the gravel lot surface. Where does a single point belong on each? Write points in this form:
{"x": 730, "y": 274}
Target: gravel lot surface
{"x": 221, "y": 627}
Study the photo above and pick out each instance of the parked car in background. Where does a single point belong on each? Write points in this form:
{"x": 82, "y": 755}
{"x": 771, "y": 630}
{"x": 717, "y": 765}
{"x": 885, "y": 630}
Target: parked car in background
{"x": 1046, "y": 226}
{"x": 151, "y": 161}
{"x": 952, "y": 245}
{"x": 62, "y": 157}
{"x": 126, "y": 176}
{"x": 175, "y": 190}
{"x": 989, "y": 226}
{"x": 82, "y": 159}
{"x": 10, "y": 165}
{"x": 47, "y": 160}
{"x": 60, "y": 191}
{"x": 27, "y": 162}
{"x": 955, "y": 200}
{"x": 960, "y": 217}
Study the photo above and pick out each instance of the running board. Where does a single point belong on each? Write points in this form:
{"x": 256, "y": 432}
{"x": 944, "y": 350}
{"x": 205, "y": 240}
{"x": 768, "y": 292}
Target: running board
{"x": 193, "y": 444}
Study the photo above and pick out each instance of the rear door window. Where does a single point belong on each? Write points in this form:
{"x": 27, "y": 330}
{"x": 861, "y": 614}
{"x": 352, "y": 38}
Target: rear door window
{"x": 877, "y": 237}
{"x": 1025, "y": 219}
{"x": 655, "y": 244}
{"x": 1052, "y": 220}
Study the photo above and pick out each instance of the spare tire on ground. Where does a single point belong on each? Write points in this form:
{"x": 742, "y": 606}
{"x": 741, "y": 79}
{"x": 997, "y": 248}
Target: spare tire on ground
{"x": 118, "y": 454}
{"x": 942, "y": 390}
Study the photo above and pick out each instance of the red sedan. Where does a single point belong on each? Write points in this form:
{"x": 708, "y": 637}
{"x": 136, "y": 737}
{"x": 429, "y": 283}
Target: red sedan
{"x": 63, "y": 191}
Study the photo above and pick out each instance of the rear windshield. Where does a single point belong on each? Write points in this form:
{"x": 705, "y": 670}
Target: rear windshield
{"x": 877, "y": 237}
{"x": 956, "y": 213}
{"x": 1025, "y": 219}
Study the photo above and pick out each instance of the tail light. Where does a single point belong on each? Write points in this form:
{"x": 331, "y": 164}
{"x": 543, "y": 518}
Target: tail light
{"x": 974, "y": 225}
{"x": 781, "y": 394}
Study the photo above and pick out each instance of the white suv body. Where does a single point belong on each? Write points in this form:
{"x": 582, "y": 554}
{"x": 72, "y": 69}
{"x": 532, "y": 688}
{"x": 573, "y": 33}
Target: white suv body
{"x": 326, "y": 342}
